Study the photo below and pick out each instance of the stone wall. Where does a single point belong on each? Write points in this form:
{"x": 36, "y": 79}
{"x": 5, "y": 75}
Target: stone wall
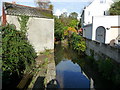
{"x": 40, "y": 31}
{"x": 102, "y": 51}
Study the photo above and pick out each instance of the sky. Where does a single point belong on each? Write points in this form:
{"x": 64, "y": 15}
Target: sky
{"x": 60, "y": 6}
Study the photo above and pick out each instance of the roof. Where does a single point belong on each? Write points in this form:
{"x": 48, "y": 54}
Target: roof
{"x": 99, "y": 1}
{"x": 16, "y": 9}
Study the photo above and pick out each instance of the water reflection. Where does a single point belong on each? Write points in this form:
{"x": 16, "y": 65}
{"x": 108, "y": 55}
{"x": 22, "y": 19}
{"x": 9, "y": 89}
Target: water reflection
{"x": 70, "y": 75}
{"x": 66, "y": 53}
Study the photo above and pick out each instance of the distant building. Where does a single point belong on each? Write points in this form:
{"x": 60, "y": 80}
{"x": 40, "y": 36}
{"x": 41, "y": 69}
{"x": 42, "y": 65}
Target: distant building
{"x": 97, "y": 24}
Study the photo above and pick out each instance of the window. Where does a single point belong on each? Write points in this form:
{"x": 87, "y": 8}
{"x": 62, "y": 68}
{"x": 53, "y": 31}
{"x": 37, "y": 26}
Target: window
{"x": 102, "y": 1}
{"x": 104, "y": 12}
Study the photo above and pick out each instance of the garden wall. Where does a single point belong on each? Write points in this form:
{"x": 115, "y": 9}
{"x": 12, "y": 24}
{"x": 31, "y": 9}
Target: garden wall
{"x": 102, "y": 51}
{"x": 40, "y": 31}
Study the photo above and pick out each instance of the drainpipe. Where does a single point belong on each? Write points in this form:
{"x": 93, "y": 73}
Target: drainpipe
{"x": 4, "y": 21}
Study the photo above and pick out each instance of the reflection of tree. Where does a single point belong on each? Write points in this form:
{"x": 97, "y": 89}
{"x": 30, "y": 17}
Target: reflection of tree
{"x": 67, "y": 54}
{"x": 64, "y": 52}
{"x": 58, "y": 53}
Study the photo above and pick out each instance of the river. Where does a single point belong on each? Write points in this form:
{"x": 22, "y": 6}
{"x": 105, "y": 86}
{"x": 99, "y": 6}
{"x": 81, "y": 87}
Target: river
{"x": 73, "y": 70}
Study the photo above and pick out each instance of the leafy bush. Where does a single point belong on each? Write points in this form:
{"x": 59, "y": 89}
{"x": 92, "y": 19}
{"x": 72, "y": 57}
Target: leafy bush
{"x": 17, "y": 53}
{"x": 69, "y": 31}
{"x": 77, "y": 42}
{"x": 59, "y": 29}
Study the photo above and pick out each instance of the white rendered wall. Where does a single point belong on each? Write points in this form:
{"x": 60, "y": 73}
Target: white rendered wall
{"x": 96, "y": 9}
{"x": 40, "y": 31}
{"x": 13, "y": 20}
{"x": 107, "y": 22}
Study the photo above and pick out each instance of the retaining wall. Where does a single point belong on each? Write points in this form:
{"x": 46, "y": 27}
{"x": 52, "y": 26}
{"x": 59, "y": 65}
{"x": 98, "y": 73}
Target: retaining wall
{"x": 102, "y": 51}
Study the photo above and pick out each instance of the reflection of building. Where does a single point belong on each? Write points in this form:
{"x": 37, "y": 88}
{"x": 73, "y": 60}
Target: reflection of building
{"x": 90, "y": 79}
{"x": 96, "y": 23}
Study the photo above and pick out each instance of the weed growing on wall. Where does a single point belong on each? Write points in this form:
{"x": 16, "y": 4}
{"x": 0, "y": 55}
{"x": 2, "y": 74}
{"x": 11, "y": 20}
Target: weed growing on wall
{"x": 17, "y": 53}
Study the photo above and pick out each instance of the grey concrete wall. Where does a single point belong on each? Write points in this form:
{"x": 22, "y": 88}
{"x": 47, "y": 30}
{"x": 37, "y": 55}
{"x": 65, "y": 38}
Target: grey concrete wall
{"x": 87, "y": 32}
{"x": 101, "y": 51}
{"x": 40, "y": 31}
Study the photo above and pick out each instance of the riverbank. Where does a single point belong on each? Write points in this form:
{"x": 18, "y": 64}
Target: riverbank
{"x": 42, "y": 74}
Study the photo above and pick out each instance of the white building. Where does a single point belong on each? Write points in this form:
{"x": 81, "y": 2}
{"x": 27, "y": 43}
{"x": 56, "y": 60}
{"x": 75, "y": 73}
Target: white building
{"x": 96, "y": 23}
{"x": 40, "y": 32}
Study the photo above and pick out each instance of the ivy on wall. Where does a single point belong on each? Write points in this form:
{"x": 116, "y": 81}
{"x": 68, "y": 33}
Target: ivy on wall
{"x": 17, "y": 53}
{"x": 23, "y": 20}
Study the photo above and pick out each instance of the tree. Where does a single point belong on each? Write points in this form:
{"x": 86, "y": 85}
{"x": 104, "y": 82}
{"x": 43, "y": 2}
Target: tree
{"x": 73, "y": 15}
{"x": 51, "y": 7}
{"x": 73, "y": 23}
{"x": 64, "y": 19}
{"x": 115, "y": 9}
{"x": 63, "y": 15}
{"x": 43, "y": 3}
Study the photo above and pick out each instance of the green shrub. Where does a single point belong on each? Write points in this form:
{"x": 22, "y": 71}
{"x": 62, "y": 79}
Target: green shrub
{"x": 17, "y": 53}
{"x": 59, "y": 29}
{"x": 77, "y": 42}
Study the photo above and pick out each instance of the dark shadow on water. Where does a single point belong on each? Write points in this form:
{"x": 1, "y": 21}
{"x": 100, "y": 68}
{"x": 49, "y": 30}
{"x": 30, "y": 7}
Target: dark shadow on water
{"x": 53, "y": 84}
{"x": 39, "y": 84}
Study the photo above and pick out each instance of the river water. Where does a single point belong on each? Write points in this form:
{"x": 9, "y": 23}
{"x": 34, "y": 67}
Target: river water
{"x": 72, "y": 71}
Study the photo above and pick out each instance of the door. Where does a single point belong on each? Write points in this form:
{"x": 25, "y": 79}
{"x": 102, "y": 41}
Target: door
{"x": 100, "y": 34}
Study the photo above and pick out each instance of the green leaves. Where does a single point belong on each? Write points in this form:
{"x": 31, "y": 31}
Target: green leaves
{"x": 115, "y": 9}
{"x": 77, "y": 42}
{"x": 23, "y": 23}
{"x": 59, "y": 29}
{"x": 16, "y": 51}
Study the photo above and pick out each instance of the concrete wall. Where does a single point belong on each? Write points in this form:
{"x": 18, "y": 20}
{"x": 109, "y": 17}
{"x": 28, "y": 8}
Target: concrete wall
{"x": 107, "y": 22}
{"x": 40, "y": 32}
{"x": 102, "y": 51}
{"x": 87, "y": 31}
{"x": 13, "y": 20}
